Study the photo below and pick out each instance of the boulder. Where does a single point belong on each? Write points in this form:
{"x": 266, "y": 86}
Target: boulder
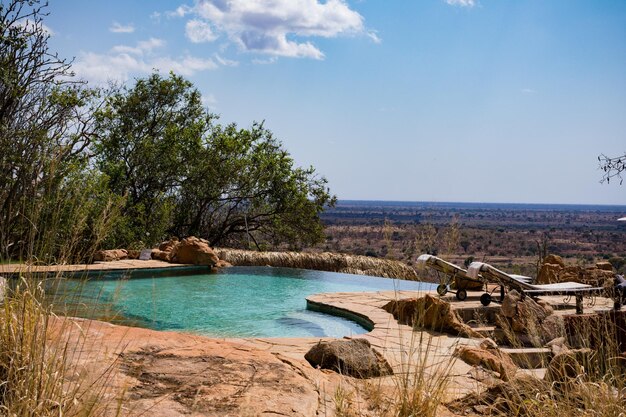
{"x": 604, "y": 266}
{"x": 110, "y": 255}
{"x": 549, "y": 273}
{"x": 134, "y": 254}
{"x": 552, "y": 328}
{"x": 168, "y": 245}
{"x": 529, "y": 316}
{"x": 553, "y": 270}
{"x": 509, "y": 304}
{"x": 354, "y": 357}
{"x": 161, "y": 255}
{"x": 554, "y": 260}
{"x": 193, "y": 250}
{"x": 489, "y": 358}
{"x": 430, "y": 313}
{"x": 568, "y": 365}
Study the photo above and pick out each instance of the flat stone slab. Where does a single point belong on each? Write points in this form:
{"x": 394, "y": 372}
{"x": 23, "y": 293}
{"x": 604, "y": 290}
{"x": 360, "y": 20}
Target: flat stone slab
{"x": 125, "y": 264}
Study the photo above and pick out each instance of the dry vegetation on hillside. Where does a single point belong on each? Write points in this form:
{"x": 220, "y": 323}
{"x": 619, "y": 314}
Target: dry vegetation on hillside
{"x": 509, "y": 236}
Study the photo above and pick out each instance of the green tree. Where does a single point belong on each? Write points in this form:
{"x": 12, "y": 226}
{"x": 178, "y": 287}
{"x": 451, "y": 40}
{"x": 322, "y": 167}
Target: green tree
{"x": 182, "y": 174}
{"x": 148, "y": 138}
{"x": 245, "y": 190}
{"x": 46, "y": 125}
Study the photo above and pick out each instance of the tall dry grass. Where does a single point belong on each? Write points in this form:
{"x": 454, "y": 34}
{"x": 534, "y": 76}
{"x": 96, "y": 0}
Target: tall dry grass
{"x": 420, "y": 385}
{"x": 39, "y": 373}
{"x": 333, "y": 262}
{"x": 586, "y": 378}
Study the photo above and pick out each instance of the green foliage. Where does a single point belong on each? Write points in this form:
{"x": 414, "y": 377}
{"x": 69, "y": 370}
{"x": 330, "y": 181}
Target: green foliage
{"x": 147, "y": 136}
{"x": 244, "y": 185}
{"x": 181, "y": 174}
{"x": 45, "y": 129}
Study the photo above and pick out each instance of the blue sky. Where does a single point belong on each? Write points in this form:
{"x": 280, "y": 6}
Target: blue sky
{"x": 429, "y": 100}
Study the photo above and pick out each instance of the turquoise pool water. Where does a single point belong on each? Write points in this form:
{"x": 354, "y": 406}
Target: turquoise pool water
{"x": 234, "y": 302}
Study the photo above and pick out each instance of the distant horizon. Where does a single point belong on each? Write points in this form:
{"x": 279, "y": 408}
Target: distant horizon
{"x": 351, "y": 200}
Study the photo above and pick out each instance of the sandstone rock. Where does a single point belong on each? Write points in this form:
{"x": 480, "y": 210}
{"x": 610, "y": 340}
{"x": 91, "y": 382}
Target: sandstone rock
{"x": 488, "y": 344}
{"x": 552, "y": 328}
{"x": 509, "y": 304}
{"x": 134, "y": 254}
{"x": 161, "y": 255}
{"x": 554, "y": 259}
{"x": 168, "y": 245}
{"x": 558, "y": 345}
{"x": 193, "y": 250}
{"x": 492, "y": 359}
{"x": 159, "y": 374}
{"x": 549, "y": 273}
{"x": 529, "y": 316}
{"x": 431, "y": 313}
{"x": 353, "y": 357}
{"x": 222, "y": 264}
{"x": 110, "y": 255}
{"x": 568, "y": 365}
{"x": 546, "y": 306}
{"x": 554, "y": 270}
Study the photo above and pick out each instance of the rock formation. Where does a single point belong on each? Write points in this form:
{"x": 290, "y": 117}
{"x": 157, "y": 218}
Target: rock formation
{"x": 431, "y": 313}
{"x": 529, "y": 320}
{"x": 110, "y": 255}
{"x": 190, "y": 250}
{"x": 354, "y": 357}
{"x": 554, "y": 270}
{"x": 488, "y": 356}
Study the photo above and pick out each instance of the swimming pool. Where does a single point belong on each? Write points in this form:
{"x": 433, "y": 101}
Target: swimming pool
{"x": 234, "y": 302}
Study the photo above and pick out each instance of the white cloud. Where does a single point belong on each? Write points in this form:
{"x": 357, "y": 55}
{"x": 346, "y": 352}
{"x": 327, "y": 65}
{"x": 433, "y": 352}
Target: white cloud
{"x": 124, "y": 61}
{"x": 275, "y": 27}
{"x": 181, "y": 11}
{"x": 198, "y": 31}
{"x": 119, "y": 28}
{"x": 374, "y": 37}
{"x": 528, "y": 91}
{"x": 270, "y": 60}
{"x": 462, "y": 3}
{"x": 141, "y": 48}
{"x": 226, "y": 62}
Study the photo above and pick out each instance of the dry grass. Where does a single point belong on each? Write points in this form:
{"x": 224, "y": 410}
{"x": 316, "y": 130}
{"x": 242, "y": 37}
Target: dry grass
{"x": 37, "y": 373}
{"x": 418, "y": 388}
{"x": 333, "y": 262}
{"x": 589, "y": 379}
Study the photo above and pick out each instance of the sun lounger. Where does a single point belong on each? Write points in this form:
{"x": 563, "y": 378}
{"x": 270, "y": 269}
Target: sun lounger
{"x": 451, "y": 273}
{"x": 524, "y": 285}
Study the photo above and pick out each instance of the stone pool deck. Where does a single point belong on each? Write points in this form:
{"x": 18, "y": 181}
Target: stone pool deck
{"x": 406, "y": 350}
{"x": 126, "y": 264}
